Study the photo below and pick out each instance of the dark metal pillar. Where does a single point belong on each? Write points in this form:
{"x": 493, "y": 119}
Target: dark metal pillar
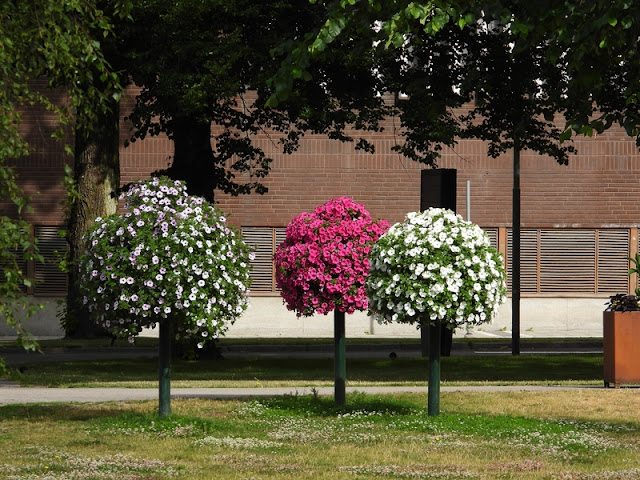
{"x": 438, "y": 189}
{"x": 434, "y": 369}
{"x": 339, "y": 357}
{"x": 515, "y": 253}
{"x": 164, "y": 367}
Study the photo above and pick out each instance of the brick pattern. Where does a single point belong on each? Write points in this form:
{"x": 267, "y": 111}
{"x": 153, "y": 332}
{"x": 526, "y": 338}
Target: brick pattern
{"x": 599, "y": 187}
{"x": 41, "y": 173}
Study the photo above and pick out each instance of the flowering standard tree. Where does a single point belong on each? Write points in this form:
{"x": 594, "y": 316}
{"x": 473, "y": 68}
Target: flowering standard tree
{"x": 323, "y": 264}
{"x": 171, "y": 261}
{"x": 435, "y": 269}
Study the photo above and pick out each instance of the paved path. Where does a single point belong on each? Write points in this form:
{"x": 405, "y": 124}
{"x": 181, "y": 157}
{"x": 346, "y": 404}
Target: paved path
{"x": 10, "y": 394}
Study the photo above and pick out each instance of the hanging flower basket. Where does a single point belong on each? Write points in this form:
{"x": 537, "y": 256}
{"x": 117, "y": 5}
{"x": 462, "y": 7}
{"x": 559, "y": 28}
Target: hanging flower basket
{"x": 435, "y": 267}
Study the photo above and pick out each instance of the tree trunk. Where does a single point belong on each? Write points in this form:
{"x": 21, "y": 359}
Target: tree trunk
{"x": 97, "y": 180}
{"x": 193, "y": 157}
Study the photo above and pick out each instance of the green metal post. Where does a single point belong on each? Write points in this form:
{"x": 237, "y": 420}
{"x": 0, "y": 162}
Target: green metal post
{"x": 339, "y": 357}
{"x": 434, "y": 369}
{"x": 164, "y": 367}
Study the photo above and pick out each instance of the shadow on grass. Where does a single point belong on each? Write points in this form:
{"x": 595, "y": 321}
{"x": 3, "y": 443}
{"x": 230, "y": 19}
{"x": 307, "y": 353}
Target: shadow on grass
{"x": 72, "y": 412}
{"x": 356, "y": 403}
{"x": 529, "y": 368}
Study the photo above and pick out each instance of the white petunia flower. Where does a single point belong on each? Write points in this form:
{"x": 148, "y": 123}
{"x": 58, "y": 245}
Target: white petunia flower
{"x": 446, "y": 266}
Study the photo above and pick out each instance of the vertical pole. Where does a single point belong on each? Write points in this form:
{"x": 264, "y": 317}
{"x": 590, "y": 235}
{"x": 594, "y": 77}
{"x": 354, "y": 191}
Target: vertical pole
{"x": 515, "y": 263}
{"x": 468, "y": 200}
{"x": 469, "y": 328}
{"x": 339, "y": 357}
{"x": 164, "y": 368}
{"x": 434, "y": 369}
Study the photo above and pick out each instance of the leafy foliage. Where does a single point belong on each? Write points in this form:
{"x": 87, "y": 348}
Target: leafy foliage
{"x": 44, "y": 43}
{"x": 522, "y": 68}
{"x": 193, "y": 75}
{"x": 623, "y": 303}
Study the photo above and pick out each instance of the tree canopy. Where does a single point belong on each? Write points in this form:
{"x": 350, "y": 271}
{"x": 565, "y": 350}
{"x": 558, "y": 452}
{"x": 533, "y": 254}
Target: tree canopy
{"x": 517, "y": 64}
{"x": 202, "y": 63}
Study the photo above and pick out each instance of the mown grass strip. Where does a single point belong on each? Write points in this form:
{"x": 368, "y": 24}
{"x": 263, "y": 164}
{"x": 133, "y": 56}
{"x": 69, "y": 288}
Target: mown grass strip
{"x": 496, "y": 369}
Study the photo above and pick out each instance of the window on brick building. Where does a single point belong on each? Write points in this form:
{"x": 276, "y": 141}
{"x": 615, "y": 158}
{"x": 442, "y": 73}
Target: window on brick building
{"x": 264, "y": 241}
{"x": 593, "y": 261}
{"x": 49, "y": 279}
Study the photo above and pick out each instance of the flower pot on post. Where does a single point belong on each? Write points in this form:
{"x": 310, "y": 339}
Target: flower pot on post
{"x": 322, "y": 266}
{"x": 621, "y": 354}
{"x": 170, "y": 261}
{"x": 439, "y": 271}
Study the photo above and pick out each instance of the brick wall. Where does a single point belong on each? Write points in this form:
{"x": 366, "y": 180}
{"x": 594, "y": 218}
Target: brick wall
{"x": 41, "y": 173}
{"x": 599, "y": 187}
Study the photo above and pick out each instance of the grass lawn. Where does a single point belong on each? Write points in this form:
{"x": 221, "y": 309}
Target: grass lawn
{"x": 270, "y": 372}
{"x": 583, "y": 435}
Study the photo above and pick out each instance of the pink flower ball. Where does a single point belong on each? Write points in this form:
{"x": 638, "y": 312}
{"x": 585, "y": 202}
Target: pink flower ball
{"x": 322, "y": 263}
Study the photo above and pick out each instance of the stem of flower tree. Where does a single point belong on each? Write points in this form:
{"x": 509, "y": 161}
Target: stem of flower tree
{"x": 339, "y": 356}
{"x": 164, "y": 367}
{"x": 434, "y": 369}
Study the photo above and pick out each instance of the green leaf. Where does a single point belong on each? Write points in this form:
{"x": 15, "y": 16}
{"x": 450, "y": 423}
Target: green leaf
{"x": 318, "y": 45}
{"x": 566, "y": 135}
{"x": 416, "y": 12}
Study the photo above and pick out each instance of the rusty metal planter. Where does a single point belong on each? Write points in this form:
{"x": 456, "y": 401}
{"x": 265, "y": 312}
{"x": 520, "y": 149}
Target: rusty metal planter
{"x": 621, "y": 347}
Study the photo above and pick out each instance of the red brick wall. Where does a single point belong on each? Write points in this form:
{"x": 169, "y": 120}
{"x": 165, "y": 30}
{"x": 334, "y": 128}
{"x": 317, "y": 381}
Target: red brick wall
{"x": 600, "y": 186}
{"x": 41, "y": 173}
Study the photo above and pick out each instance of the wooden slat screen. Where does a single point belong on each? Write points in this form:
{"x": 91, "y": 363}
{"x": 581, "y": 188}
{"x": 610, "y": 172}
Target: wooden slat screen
{"x": 50, "y": 280}
{"x": 567, "y": 261}
{"x": 492, "y": 233}
{"x": 264, "y": 241}
{"x": 552, "y": 260}
{"x": 529, "y": 260}
{"x": 613, "y": 261}
{"x": 572, "y": 261}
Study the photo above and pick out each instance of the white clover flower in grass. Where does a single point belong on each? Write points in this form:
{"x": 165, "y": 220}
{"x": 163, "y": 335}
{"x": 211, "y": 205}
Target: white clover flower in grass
{"x": 152, "y": 253}
{"x": 435, "y": 266}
